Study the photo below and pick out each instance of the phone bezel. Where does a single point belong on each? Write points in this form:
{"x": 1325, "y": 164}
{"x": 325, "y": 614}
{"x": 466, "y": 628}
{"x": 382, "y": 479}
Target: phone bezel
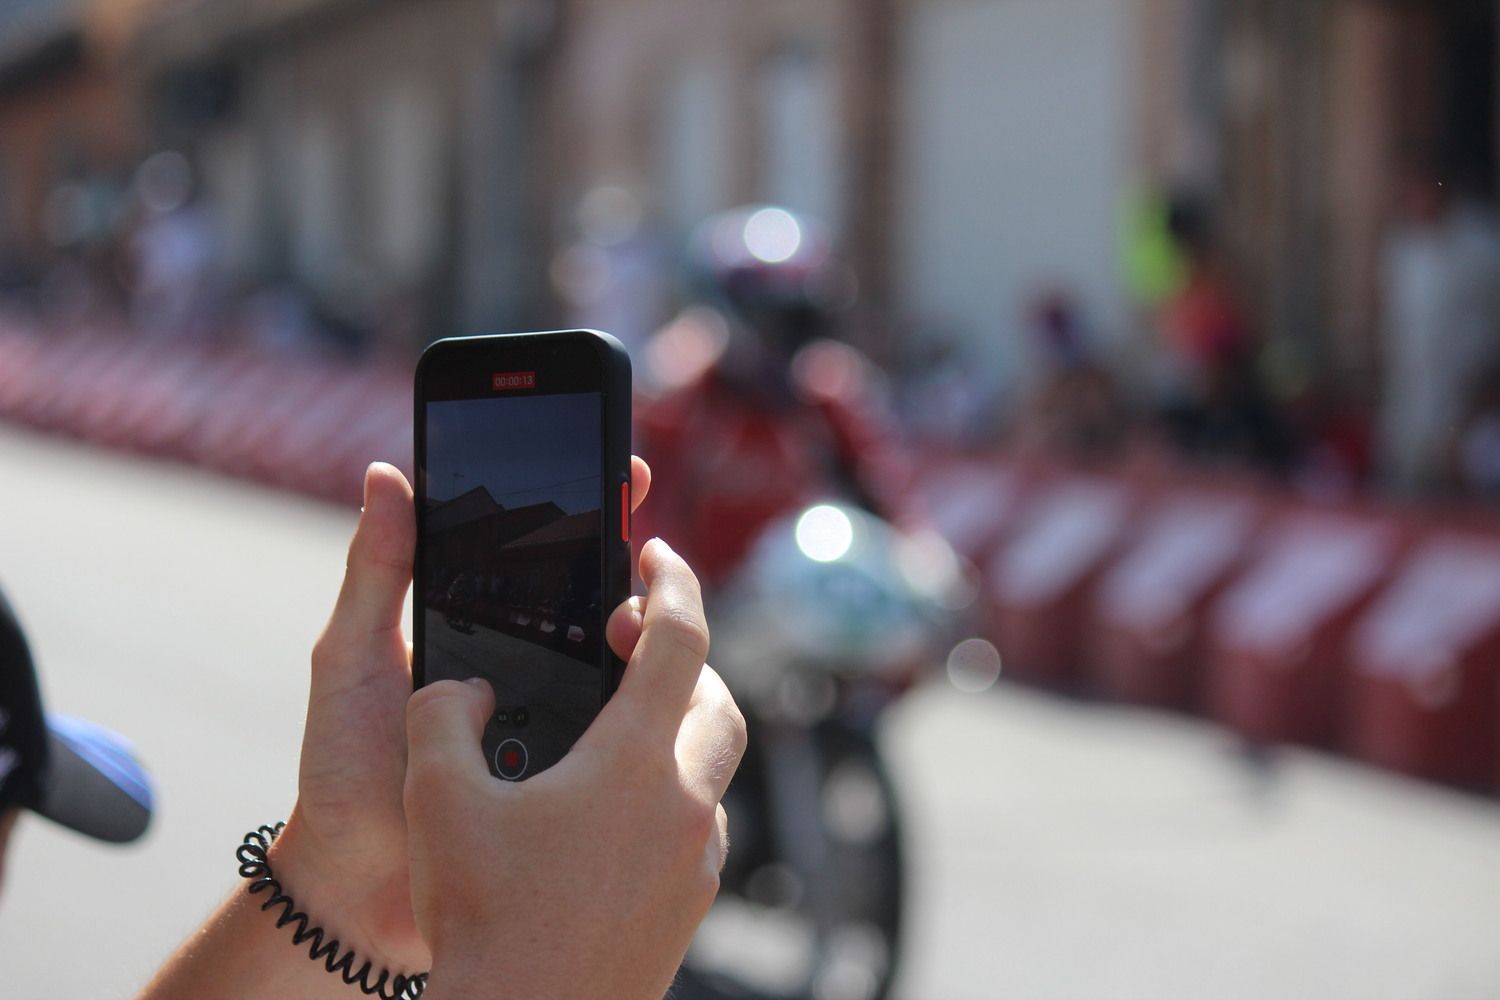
{"x": 457, "y": 368}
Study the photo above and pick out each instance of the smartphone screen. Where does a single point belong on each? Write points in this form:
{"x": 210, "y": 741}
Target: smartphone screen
{"x": 514, "y": 483}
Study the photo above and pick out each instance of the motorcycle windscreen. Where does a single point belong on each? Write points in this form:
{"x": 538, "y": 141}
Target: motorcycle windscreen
{"x": 513, "y": 553}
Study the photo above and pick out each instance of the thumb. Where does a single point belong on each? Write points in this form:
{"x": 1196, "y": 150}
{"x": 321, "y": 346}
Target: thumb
{"x": 444, "y": 729}
{"x": 380, "y": 557}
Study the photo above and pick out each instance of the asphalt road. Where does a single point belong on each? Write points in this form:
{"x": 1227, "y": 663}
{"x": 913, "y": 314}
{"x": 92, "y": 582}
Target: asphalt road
{"x": 1059, "y": 850}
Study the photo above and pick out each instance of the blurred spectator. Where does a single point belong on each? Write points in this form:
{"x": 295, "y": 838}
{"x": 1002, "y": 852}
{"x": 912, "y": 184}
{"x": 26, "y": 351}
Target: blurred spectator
{"x": 1076, "y": 408}
{"x": 1203, "y": 327}
{"x": 82, "y": 215}
{"x": 1336, "y": 440}
{"x": 1211, "y": 397}
{"x": 278, "y": 318}
{"x": 1442, "y": 314}
{"x": 1152, "y": 268}
{"x": 943, "y": 393}
{"x": 173, "y": 248}
{"x": 18, "y": 280}
{"x": 1474, "y": 458}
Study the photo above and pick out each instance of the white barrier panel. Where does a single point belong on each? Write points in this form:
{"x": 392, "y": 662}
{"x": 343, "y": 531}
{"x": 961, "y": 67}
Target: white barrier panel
{"x": 1443, "y": 603}
{"x": 1314, "y": 565}
{"x": 1067, "y": 531}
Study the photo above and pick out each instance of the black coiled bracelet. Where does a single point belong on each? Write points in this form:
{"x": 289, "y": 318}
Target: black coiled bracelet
{"x": 256, "y": 866}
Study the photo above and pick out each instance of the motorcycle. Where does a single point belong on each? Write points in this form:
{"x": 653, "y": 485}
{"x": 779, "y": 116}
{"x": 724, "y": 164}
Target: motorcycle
{"x": 832, "y": 617}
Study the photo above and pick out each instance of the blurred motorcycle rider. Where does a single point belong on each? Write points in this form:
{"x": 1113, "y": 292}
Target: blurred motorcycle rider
{"x": 760, "y": 410}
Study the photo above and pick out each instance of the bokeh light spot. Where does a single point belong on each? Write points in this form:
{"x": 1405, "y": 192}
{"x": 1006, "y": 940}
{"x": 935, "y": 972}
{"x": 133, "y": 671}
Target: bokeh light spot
{"x": 974, "y": 666}
{"x": 772, "y": 235}
{"x": 824, "y": 533}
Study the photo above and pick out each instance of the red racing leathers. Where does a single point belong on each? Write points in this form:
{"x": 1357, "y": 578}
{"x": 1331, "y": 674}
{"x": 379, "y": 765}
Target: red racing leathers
{"x": 727, "y": 459}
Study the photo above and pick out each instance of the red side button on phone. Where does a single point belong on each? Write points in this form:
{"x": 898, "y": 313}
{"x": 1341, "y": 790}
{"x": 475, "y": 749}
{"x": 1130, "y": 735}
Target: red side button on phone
{"x": 625, "y": 511}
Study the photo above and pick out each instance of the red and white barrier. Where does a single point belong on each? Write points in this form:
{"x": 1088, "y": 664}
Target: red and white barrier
{"x": 1285, "y": 622}
{"x": 1275, "y": 637}
{"x": 303, "y": 424}
{"x": 972, "y": 504}
{"x": 1146, "y": 643}
{"x": 1425, "y": 660}
{"x": 1037, "y": 584}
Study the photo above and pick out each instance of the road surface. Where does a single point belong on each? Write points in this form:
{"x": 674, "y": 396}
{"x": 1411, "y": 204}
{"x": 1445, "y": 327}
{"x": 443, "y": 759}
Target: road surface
{"x": 1059, "y": 850}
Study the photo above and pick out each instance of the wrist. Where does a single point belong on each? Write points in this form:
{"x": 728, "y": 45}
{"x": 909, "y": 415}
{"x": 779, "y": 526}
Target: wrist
{"x": 369, "y": 916}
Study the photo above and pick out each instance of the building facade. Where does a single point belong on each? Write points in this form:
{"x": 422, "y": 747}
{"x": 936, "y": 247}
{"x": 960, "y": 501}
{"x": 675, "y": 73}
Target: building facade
{"x": 442, "y": 157}
{"x": 966, "y": 153}
{"x": 441, "y": 150}
{"x": 65, "y": 121}
{"x": 1304, "y": 121}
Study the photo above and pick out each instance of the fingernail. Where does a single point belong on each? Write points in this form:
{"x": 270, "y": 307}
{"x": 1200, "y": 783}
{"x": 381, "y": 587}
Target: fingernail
{"x": 478, "y": 682}
{"x": 663, "y": 543}
{"x": 366, "y": 501}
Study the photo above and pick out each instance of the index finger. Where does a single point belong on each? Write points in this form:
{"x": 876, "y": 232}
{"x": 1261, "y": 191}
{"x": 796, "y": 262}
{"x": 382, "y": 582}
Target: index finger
{"x": 663, "y": 670}
{"x": 712, "y": 739}
{"x": 640, "y": 481}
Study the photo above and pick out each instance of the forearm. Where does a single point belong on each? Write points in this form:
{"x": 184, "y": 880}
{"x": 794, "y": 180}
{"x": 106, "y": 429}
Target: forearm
{"x": 240, "y": 953}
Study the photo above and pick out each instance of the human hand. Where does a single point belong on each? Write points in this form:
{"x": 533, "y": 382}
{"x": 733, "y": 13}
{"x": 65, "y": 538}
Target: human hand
{"x": 589, "y": 879}
{"x": 343, "y": 854}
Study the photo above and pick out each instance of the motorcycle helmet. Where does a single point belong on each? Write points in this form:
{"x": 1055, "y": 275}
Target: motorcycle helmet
{"x": 774, "y": 275}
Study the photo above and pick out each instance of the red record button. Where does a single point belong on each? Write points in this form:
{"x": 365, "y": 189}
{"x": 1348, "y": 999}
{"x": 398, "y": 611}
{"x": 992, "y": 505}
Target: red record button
{"x": 511, "y": 759}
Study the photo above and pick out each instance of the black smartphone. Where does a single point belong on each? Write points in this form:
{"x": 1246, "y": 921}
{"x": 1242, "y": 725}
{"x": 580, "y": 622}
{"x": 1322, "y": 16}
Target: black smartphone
{"x": 523, "y": 530}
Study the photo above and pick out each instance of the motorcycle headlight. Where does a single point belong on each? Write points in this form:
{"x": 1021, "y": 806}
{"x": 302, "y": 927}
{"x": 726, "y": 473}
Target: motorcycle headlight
{"x": 838, "y": 589}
